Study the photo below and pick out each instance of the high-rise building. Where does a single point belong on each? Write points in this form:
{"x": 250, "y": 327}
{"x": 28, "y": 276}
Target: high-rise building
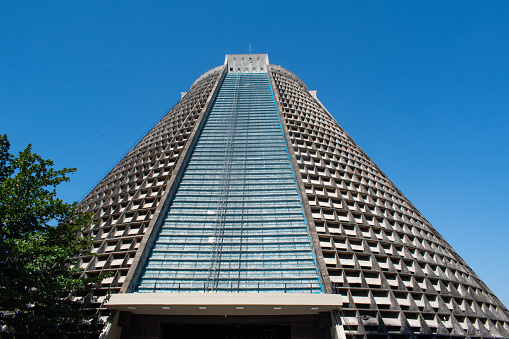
{"x": 248, "y": 212}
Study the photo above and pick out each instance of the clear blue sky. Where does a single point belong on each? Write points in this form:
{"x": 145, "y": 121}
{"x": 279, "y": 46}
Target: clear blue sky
{"x": 422, "y": 87}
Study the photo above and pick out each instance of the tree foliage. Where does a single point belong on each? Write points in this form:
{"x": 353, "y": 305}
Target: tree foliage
{"x": 39, "y": 236}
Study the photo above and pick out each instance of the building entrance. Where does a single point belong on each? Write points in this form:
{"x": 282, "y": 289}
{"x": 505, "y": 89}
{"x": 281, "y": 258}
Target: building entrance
{"x": 226, "y": 331}
{"x": 146, "y": 326}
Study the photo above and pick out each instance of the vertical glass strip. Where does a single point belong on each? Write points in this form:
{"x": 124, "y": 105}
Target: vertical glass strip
{"x": 235, "y": 223}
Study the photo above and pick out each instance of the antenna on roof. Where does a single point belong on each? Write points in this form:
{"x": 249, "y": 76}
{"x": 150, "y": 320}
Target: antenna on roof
{"x": 249, "y": 48}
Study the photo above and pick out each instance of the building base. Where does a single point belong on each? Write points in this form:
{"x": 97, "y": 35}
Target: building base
{"x": 223, "y": 315}
{"x": 137, "y": 326}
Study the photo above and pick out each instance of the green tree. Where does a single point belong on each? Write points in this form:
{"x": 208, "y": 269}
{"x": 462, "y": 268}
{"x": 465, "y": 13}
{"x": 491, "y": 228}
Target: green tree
{"x": 39, "y": 236}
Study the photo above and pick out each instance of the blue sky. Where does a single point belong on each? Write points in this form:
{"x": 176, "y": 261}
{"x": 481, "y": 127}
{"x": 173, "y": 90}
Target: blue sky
{"x": 422, "y": 87}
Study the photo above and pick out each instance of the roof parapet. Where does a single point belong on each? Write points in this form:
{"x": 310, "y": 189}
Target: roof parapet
{"x": 246, "y": 63}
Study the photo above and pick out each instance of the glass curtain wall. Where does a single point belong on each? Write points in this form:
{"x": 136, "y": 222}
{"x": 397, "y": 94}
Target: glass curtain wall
{"x": 235, "y": 223}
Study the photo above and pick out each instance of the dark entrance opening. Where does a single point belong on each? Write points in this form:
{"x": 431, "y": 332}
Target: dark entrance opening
{"x": 226, "y": 331}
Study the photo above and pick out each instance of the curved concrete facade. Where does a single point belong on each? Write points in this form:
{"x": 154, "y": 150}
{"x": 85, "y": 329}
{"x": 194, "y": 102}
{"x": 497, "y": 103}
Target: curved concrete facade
{"x": 395, "y": 274}
{"x": 399, "y": 275}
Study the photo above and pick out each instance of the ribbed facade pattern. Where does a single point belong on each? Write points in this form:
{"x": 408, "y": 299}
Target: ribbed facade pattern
{"x": 124, "y": 201}
{"x": 398, "y": 274}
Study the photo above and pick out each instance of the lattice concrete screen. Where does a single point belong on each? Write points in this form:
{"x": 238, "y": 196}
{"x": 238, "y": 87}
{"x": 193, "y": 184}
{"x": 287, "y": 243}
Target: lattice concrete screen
{"x": 398, "y": 273}
{"x": 125, "y": 201}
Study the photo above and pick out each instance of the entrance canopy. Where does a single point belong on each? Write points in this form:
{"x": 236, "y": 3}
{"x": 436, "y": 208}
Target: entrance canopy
{"x": 225, "y": 303}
